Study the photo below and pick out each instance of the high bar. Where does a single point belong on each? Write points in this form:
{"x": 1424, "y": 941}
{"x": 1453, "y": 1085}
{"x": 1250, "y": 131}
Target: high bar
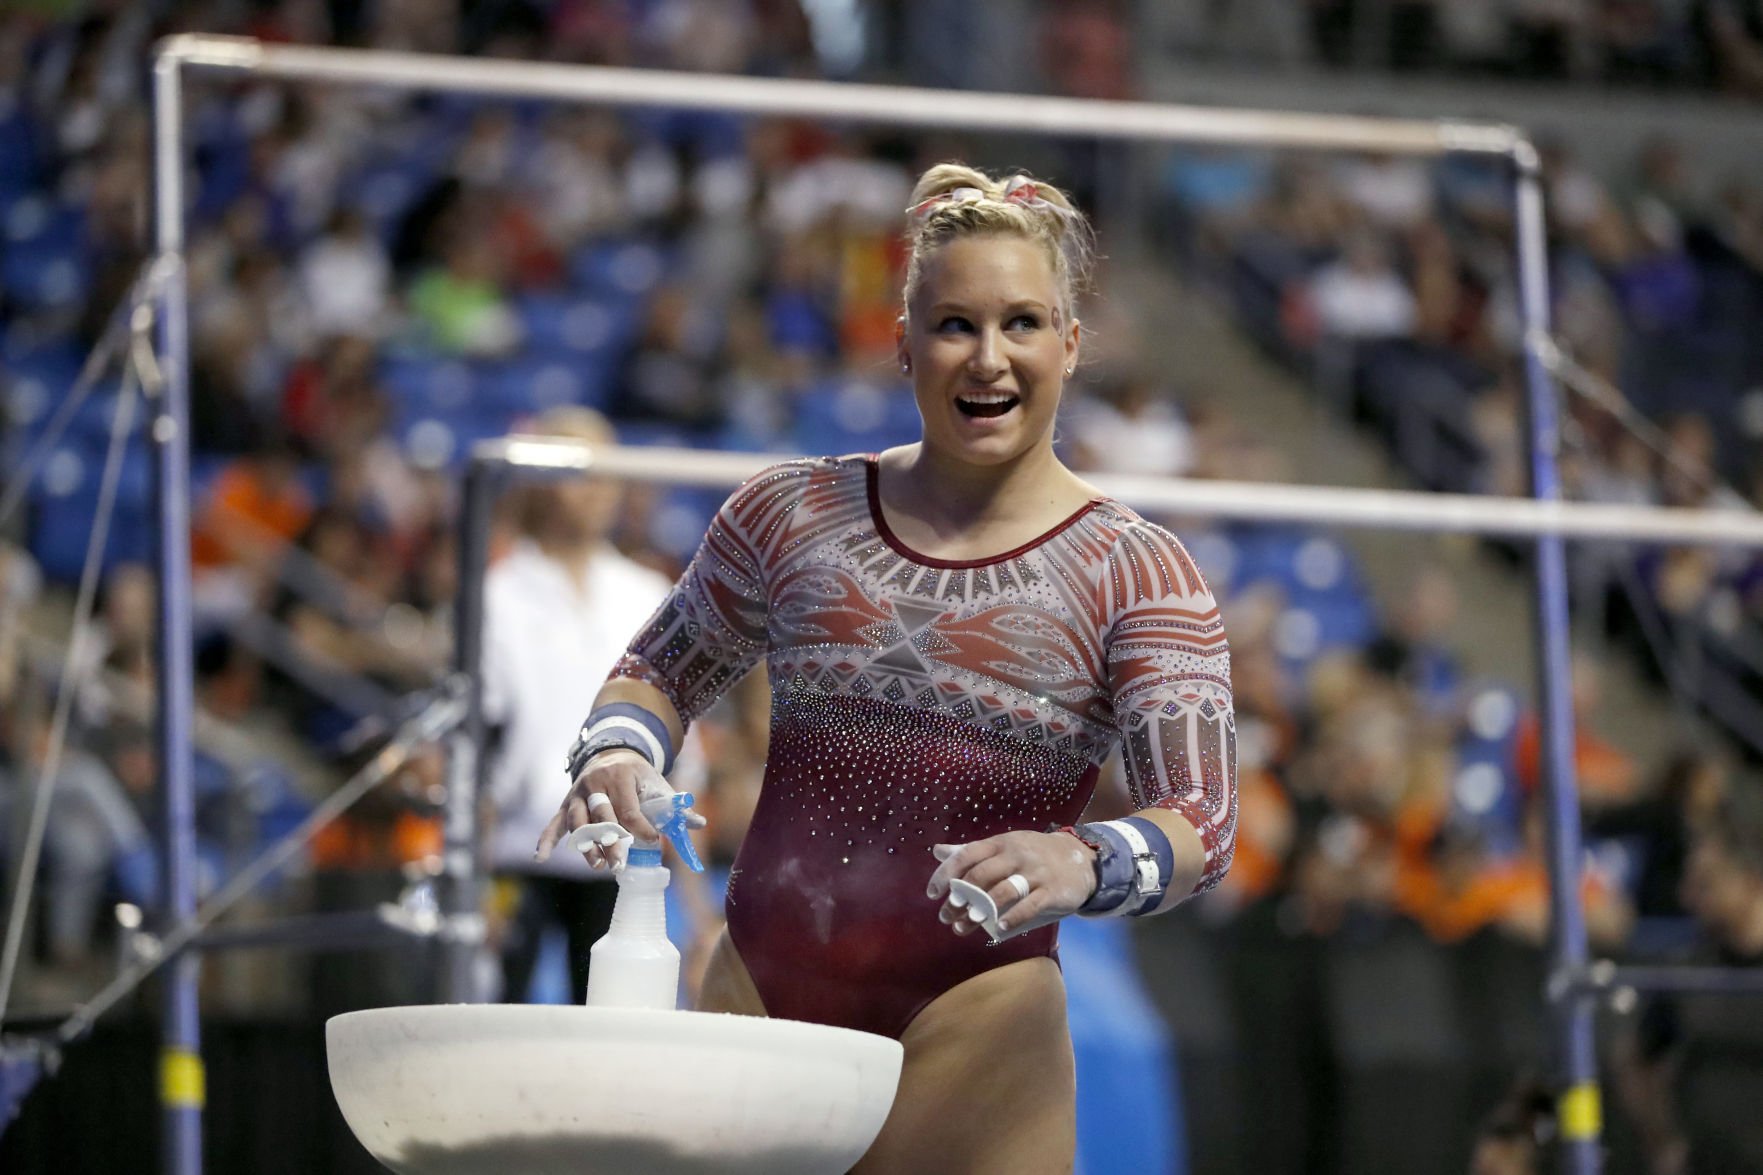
{"x": 1239, "y": 500}
{"x": 839, "y": 101}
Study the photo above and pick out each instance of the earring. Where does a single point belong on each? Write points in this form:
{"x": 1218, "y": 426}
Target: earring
{"x": 1070, "y": 371}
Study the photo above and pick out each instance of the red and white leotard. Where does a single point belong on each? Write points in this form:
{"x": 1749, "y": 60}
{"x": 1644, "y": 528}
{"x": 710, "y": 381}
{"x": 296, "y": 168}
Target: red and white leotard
{"x": 918, "y": 701}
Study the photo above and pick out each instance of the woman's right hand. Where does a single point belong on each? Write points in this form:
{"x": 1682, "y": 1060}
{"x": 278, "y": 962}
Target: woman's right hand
{"x": 607, "y": 790}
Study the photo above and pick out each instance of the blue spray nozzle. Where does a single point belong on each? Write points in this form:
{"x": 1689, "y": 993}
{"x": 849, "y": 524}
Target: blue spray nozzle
{"x": 668, "y": 813}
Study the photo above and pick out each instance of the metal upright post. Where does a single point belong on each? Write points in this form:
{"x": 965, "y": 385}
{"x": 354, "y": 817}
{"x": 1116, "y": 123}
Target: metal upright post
{"x": 181, "y": 1079}
{"x": 1572, "y": 1010}
{"x": 459, "y": 889}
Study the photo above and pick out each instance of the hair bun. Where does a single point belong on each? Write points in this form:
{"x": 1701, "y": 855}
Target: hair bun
{"x": 952, "y": 199}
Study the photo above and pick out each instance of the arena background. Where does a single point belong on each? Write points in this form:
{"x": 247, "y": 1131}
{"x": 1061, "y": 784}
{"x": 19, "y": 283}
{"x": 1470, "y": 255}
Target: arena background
{"x": 378, "y": 280}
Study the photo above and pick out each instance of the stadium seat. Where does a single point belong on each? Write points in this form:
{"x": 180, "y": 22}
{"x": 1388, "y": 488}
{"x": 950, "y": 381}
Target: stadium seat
{"x": 45, "y": 266}
{"x": 530, "y": 385}
{"x": 420, "y": 381}
{"x": 65, "y": 498}
{"x": 855, "y": 417}
{"x": 20, "y": 148}
{"x": 444, "y": 440}
{"x": 618, "y": 269}
{"x": 565, "y": 326}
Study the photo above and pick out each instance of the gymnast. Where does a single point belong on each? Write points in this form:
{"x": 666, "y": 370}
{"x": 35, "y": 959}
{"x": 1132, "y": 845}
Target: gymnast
{"x": 957, "y": 633}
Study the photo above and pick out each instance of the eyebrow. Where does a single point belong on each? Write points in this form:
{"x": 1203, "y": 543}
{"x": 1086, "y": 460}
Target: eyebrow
{"x": 1024, "y": 304}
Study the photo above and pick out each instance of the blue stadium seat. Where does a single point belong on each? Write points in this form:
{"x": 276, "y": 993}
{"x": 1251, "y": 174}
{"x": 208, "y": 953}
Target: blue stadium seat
{"x": 65, "y": 497}
{"x": 1216, "y": 555}
{"x": 21, "y": 155}
{"x": 618, "y": 269}
{"x": 855, "y": 416}
{"x": 660, "y": 435}
{"x": 35, "y": 382}
{"x": 566, "y": 326}
{"x": 385, "y": 189}
{"x": 1484, "y": 793}
{"x": 41, "y": 220}
{"x": 422, "y": 382}
{"x": 529, "y": 385}
{"x": 1265, "y": 553}
{"x": 40, "y": 279}
{"x": 45, "y": 266}
{"x": 444, "y": 440}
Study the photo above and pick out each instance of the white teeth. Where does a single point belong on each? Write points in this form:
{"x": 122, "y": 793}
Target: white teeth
{"x": 990, "y": 397}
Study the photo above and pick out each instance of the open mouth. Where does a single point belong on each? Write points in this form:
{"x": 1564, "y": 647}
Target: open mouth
{"x": 987, "y": 405}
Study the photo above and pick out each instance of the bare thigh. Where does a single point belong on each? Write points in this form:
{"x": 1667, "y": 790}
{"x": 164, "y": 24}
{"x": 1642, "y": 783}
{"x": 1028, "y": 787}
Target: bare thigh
{"x": 727, "y": 987}
{"x": 989, "y": 1084}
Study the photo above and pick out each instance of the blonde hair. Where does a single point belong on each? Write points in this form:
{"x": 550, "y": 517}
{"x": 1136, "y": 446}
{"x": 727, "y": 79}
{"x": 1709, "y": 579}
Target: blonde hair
{"x": 953, "y": 200}
{"x": 534, "y": 507}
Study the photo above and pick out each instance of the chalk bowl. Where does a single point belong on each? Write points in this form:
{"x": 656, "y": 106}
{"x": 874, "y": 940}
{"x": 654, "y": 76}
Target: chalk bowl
{"x": 487, "y": 1089}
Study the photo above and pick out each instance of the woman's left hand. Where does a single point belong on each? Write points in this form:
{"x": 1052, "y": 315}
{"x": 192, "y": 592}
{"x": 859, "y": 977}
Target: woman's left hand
{"x": 1034, "y": 878}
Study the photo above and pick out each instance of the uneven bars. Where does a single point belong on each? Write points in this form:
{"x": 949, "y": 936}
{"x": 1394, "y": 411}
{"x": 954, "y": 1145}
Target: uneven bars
{"x": 1249, "y": 501}
{"x": 838, "y": 101}
{"x": 960, "y": 109}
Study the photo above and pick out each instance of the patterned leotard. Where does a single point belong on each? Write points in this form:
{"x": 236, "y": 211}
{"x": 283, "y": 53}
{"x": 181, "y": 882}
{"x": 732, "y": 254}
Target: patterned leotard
{"x": 918, "y": 701}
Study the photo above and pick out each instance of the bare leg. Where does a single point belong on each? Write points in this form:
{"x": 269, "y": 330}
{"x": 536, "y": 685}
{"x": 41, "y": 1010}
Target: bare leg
{"x": 989, "y": 1084}
{"x": 727, "y": 987}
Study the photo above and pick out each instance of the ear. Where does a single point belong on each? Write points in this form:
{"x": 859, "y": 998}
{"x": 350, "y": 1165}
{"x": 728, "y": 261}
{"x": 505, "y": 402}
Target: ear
{"x": 900, "y": 353}
{"x": 1073, "y": 339}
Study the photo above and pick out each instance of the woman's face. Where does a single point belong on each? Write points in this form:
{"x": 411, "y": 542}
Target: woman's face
{"x": 988, "y": 348}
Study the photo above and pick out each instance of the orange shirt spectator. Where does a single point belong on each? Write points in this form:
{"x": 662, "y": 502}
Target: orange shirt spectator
{"x": 256, "y": 507}
{"x": 1266, "y": 828}
{"x": 1512, "y": 895}
{"x": 1606, "y": 773}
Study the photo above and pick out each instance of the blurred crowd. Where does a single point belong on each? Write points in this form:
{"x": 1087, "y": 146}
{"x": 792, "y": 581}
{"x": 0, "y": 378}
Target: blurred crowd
{"x": 1676, "y": 44}
{"x": 378, "y": 279}
{"x": 1391, "y": 283}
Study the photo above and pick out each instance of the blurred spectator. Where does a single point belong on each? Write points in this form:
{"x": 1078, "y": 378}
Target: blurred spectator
{"x": 559, "y": 609}
{"x": 95, "y": 842}
{"x": 340, "y": 621}
{"x": 1462, "y": 888}
{"x": 1416, "y": 648}
{"x": 1606, "y": 775}
{"x": 1086, "y": 49}
{"x": 21, "y": 582}
{"x": 121, "y": 639}
{"x": 670, "y": 372}
{"x": 332, "y": 404}
{"x": 1394, "y": 192}
{"x": 1515, "y": 1138}
{"x": 1546, "y": 37}
{"x": 576, "y": 176}
{"x": 1733, "y": 31}
{"x": 1665, "y": 823}
{"x": 1361, "y": 296}
{"x": 461, "y": 305}
{"x": 345, "y": 278}
{"x": 1129, "y": 428}
{"x": 1692, "y": 1077}
{"x": 253, "y": 510}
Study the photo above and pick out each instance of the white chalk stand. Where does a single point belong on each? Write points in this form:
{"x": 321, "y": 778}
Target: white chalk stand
{"x": 504, "y": 1089}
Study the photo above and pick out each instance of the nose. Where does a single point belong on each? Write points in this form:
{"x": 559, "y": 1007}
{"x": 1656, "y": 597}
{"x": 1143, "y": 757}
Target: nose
{"x": 986, "y": 362}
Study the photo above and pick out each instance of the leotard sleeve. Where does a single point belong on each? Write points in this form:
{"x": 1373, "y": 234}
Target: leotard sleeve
{"x": 1169, "y": 678}
{"x": 711, "y": 629}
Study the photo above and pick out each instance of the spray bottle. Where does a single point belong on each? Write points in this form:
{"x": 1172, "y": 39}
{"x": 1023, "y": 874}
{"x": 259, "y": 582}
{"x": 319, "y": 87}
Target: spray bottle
{"x": 634, "y": 965}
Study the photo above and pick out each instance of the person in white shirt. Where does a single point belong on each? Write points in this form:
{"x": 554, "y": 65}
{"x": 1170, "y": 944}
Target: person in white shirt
{"x": 1361, "y": 295}
{"x": 559, "y": 608}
